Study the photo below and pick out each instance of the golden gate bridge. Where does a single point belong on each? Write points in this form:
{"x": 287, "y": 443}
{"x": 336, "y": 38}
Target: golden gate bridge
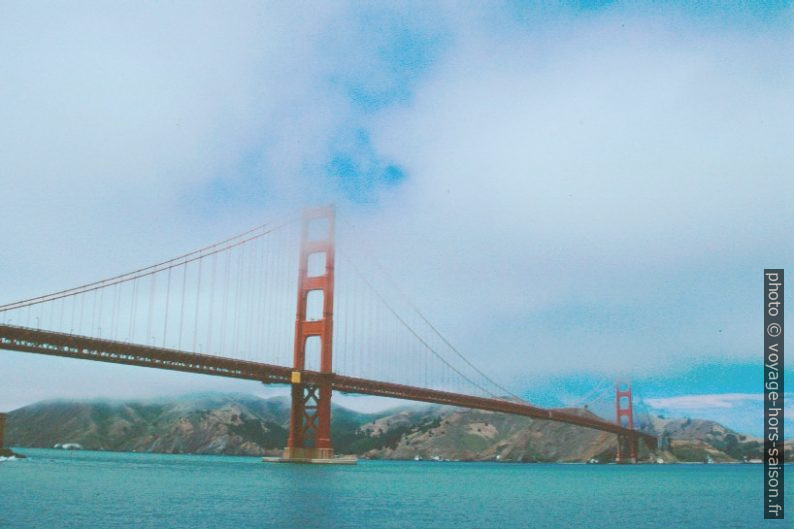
{"x": 226, "y": 310}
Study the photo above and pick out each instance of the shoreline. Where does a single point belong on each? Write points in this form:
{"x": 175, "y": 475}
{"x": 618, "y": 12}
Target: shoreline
{"x": 7, "y": 452}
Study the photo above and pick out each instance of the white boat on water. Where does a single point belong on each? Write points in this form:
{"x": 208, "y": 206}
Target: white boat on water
{"x": 69, "y": 446}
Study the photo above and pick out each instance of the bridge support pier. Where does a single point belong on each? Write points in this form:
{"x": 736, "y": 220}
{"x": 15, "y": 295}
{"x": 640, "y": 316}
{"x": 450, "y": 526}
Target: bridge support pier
{"x": 627, "y": 449}
{"x": 310, "y": 422}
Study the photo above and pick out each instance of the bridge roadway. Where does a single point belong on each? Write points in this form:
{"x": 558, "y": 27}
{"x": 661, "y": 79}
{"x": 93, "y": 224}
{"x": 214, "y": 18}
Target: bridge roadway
{"x": 30, "y": 340}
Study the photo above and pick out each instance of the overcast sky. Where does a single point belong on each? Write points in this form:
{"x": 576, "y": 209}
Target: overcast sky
{"x": 572, "y": 193}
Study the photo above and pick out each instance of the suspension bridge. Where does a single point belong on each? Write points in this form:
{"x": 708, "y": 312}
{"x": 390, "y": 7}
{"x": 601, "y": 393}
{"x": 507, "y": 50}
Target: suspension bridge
{"x": 226, "y": 310}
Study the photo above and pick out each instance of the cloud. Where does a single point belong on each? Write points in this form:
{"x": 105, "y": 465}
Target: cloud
{"x": 601, "y": 195}
{"x": 743, "y": 412}
{"x": 700, "y": 402}
{"x": 132, "y": 122}
{"x": 134, "y": 133}
{"x": 575, "y": 192}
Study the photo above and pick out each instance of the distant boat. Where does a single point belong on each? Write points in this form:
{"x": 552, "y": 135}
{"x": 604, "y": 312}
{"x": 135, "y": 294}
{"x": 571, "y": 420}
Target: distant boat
{"x": 69, "y": 446}
{"x": 417, "y": 458}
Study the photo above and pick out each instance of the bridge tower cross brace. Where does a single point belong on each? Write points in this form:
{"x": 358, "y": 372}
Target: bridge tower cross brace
{"x": 310, "y": 413}
{"x": 627, "y": 444}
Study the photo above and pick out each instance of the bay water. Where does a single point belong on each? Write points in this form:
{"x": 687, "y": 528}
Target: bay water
{"x": 55, "y": 489}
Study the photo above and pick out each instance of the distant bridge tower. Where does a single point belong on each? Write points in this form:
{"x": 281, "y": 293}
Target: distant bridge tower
{"x": 310, "y": 414}
{"x": 2, "y": 428}
{"x": 624, "y": 415}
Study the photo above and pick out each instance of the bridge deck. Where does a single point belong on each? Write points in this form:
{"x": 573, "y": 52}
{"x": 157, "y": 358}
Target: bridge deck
{"x": 73, "y": 346}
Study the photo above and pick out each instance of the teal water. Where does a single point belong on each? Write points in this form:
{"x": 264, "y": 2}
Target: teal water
{"x": 85, "y": 490}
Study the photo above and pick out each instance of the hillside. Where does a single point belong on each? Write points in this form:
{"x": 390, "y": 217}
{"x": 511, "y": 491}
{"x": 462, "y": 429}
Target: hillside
{"x": 212, "y": 423}
{"x": 247, "y": 425}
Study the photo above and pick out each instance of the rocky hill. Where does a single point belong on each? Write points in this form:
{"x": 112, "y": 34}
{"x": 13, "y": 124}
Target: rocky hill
{"x": 697, "y": 439}
{"x": 244, "y": 424}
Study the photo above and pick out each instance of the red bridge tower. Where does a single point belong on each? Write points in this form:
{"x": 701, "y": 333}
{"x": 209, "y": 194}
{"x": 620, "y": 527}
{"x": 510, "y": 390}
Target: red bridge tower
{"x": 624, "y": 415}
{"x": 310, "y": 415}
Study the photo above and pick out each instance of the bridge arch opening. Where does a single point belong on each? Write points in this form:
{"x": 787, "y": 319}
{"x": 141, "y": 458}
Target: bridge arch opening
{"x": 314, "y": 305}
{"x": 315, "y": 264}
{"x": 313, "y": 349}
